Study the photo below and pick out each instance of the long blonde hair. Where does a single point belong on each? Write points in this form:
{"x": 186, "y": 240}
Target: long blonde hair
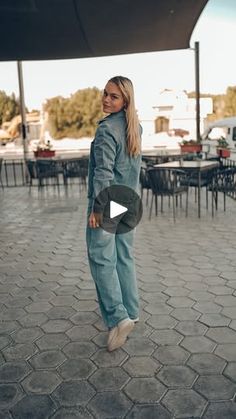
{"x": 133, "y": 129}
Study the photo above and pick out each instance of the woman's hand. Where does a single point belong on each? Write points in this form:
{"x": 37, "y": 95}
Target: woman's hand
{"x": 95, "y": 220}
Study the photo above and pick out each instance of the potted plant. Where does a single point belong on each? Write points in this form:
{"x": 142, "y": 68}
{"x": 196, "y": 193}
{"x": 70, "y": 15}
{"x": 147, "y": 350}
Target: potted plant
{"x": 44, "y": 150}
{"x": 223, "y": 148}
{"x": 190, "y": 146}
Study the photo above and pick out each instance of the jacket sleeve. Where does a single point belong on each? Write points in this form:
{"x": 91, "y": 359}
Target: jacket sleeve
{"x": 104, "y": 155}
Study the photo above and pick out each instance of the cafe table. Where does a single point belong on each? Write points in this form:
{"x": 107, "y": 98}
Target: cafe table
{"x": 192, "y": 166}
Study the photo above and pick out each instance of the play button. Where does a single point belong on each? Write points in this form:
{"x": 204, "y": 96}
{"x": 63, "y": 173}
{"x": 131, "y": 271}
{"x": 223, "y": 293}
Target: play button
{"x": 116, "y": 209}
{"x": 121, "y": 209}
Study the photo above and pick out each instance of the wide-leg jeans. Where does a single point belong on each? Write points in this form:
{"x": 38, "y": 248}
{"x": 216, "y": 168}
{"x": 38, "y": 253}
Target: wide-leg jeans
{"x": 112, "y": 267}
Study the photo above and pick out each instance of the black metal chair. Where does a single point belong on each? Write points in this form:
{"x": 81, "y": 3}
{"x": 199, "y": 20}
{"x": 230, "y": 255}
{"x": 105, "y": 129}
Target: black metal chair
{"x": 167, "y": 182}
{"x": 45, "y": 172}
{"x": 1, "y": 162}
{"x": 144, "y": 183}
{"x": 77, "y": 168}
{"x": 223, "y": 181}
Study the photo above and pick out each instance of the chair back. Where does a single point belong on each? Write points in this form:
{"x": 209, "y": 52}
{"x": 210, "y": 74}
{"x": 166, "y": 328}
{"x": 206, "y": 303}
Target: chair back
{"x": 162, "y": 181}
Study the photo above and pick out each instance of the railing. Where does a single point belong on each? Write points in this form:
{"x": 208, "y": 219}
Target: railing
{"x": 13, "y": 173}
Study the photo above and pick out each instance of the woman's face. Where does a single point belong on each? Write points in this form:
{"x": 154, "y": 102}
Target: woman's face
{"x": 112, "y": 99}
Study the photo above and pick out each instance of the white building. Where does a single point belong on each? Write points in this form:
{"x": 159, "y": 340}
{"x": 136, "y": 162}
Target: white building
{"x": 174, "y": 110}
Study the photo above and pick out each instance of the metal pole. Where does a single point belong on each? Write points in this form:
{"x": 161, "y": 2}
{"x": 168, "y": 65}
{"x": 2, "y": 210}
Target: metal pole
{"x": 22, "y": 110}
{"x": 197, "y": 88}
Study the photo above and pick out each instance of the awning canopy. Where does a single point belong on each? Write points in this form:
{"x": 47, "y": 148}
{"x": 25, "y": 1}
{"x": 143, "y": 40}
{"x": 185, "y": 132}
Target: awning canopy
{"x": 60, "y": 29}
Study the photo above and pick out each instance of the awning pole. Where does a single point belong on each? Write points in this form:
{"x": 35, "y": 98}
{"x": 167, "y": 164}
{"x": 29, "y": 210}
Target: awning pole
{"x": 22, "y": 110}
{"x": 197, "y": 88}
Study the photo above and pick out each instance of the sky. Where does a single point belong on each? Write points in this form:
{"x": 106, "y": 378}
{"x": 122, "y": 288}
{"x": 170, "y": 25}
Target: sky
{"x": 215, "y": 31}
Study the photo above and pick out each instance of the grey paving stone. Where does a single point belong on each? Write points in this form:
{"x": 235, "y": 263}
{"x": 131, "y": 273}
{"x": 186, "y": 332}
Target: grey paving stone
{"x": 8, "y": 326}
{"x": 103, "y": 358}
{"x": 110, "y": 404}
{"x": 227, "y": 351}
{"x": 198, "y": 344}
{"x": 139, "y": 346}
{"x": 150, "y": 411}
{"x": 184, "y": 403}
{"x": 177, "y": 291}
{"x": 29, "y": 334}
{"x": 73, "y": 393}
{"x": 19, "y": 351}
{"x": 14, "y": 371}
{"x": 185, "y": 314}
{"x": 215, "y": 387}
{"x": 229, "y": 312}
{"x": 4, "y": 341}
{"x": 84, "y": 317}
{"x": 226, "y": 300}
{"x": 60, "y": 313}
{"x": 79, "y": 412}
{"x": 79, "y": 349}
{"x": 162, "y": 321}
{"x": 206, "y": 363}
{"x": 85, "y": 305}
{"x": 214, "y": 320}
{"x": 222, "y": 334}
{"x": 47, "y": 359}
{"x": 41, "y": 382}
{"x": 39, "y": 307}
{"x": 4, "y": 414}
{"x": 82, "y": 332}
{"x": 34, "y": 406}
{"x": 17, "y": 302}
{"x": 9, "y": 395}
{"x": 207, "y": 307}
{"x": 201, "y": 296}
{"x": 111, "y": 379}
{"x": 177, "y": 302}
{"x": 230, "y": 371}
{"x": 176, "y": 376}
{"x": 220, "y": 410}
{"x": 141, "y": 366}
{"x": 12, "y": 314}
{"x": 77, "y": 369}
{"x": 166, "y": 337}
{"x": 160, "y": 308}
{"x": 33, "y": 319}
{"x": 57, "y": 326}
{"x": 52, "y": 341}
{"x": 145, "y": 390}
{"x": 171, "y": 355}
{"x": 191, "y": 328}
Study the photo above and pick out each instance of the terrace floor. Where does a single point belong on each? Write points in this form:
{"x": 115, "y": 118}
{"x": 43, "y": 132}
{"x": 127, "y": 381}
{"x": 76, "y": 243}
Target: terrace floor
{"x": 180, "y": 360}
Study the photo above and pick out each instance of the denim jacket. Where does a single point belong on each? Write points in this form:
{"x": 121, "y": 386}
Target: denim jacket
{"x": 109, "y": 162}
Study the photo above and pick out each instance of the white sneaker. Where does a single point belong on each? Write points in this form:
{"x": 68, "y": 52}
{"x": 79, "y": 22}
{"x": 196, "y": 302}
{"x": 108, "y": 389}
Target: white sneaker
{"x": 120, "y": 334}
{"x": 136, "y": 320}
{"x": 111, "y": 334}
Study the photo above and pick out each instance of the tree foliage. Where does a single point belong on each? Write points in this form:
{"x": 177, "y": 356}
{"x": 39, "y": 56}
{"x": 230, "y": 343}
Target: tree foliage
{"x": 9, "y": 107}
{"x": 74, "y": 117}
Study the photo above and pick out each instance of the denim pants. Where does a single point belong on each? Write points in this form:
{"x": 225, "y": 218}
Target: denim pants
{"x": 112, "y": 267}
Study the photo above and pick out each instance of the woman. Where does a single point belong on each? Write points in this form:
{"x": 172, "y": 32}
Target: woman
{"x": 115, "y": 159}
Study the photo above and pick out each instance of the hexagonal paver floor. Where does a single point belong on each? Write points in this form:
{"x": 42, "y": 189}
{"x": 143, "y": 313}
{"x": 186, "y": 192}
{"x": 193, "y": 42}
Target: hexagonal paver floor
{"x": 180, "y": 360}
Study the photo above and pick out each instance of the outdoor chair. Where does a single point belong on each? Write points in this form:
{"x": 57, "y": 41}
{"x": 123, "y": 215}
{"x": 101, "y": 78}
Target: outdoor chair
{"x": 223, "y": 181}
{"x": 1, "y": 162}
{"x": 45, "y": 172}
{"x": 144, "y": 183}
{"x": 77, "y": 168}
{"x": 167, "y": 182}
{"x": 192, "y": 180}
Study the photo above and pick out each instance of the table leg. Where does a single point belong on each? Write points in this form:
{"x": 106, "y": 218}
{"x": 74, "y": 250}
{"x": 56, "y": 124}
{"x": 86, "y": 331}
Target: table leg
{"x": 199, "y": 194}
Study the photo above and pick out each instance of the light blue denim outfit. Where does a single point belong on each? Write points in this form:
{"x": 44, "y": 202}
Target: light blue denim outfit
{"x": 111, "y": 255}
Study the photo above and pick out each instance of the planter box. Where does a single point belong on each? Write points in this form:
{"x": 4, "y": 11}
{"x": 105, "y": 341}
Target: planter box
{"x": 223, "y": 152}
{"x": 191, "y": 148}
{"x": 44, "y": 153}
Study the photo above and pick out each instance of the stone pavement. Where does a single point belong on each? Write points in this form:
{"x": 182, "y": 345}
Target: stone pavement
{"x": 179, "y": 362}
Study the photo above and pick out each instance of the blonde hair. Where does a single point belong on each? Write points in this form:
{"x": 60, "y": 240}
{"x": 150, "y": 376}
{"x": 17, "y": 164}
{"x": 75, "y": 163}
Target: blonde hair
{"x": 133, "y": 129}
